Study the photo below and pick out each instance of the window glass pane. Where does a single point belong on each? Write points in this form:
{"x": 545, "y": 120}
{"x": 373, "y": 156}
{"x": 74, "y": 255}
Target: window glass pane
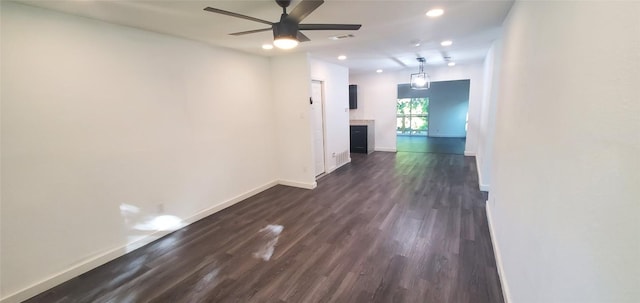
{"x": 403, "y": 106}
{"x": 412, "y": 116}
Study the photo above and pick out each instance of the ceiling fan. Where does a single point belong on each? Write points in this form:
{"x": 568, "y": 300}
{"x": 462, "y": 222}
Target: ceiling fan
{"x": 286, "y": 32}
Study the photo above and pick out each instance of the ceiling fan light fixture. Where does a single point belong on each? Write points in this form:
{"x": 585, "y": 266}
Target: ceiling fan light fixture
{"x": 285, "y": 42}
{"x": 287, "y": 32}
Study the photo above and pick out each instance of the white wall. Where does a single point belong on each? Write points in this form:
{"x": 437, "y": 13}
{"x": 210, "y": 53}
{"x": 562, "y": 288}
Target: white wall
{"x": 335, "y": 80}
{"x": 486, "y": 132}
{"x": 377, "y": 95}
{"x": 564, "y": 199}
{"x": 291, "y": 88}
{"x": 96, "y": 115}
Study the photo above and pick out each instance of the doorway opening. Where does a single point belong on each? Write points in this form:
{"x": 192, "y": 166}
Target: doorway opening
{"x": 317, "y": 108}
{"x": 433, "y": 120}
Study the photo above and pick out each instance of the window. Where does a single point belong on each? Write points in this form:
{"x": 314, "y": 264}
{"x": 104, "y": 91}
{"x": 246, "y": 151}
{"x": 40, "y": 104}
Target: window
{"x": 412, "y": 116}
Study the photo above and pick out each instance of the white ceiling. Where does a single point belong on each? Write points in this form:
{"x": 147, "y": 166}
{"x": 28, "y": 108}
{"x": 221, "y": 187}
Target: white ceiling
{"x": 386, "y": 40}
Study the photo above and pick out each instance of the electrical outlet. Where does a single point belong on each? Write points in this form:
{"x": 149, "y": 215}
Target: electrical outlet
{"x": 333, "y": 154}
{"x": 160, "y": 208}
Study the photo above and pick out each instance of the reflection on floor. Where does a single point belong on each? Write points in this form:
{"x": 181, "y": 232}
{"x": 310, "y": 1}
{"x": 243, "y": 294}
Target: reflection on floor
{"x": 419, "y": 144}
{"x": 389, "y": 227}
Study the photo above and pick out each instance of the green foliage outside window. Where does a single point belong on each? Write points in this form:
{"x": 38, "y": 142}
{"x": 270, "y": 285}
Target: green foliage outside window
{"x": 412, "y": 116}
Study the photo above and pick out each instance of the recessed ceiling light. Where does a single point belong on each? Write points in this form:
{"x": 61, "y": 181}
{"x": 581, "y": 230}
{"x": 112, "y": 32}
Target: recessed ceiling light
{"x": 378, "y": 71}
{"x": 436, "y": 12}
{"x": 446, "y": 43}
{"x": 267, "y": 46}
{"x": 342, "y": 57}
{"x": 451, "y": 64}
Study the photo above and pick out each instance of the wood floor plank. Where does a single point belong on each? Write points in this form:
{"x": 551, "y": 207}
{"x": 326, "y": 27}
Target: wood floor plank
{"x": 389, "y": 227}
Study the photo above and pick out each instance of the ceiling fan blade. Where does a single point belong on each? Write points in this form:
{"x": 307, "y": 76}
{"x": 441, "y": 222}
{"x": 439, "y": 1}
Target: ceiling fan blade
{"x": 304, "y": 8}
{"x": 302, "y": 37}
{"x": 232, "y": 14}
{"x": 251, "y": 32}
{"x": 341, "y": 27}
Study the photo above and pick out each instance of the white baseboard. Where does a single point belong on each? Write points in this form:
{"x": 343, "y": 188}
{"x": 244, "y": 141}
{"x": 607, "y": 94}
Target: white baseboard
{"x": 72, "y": 272}
{"x": 483, "y": 186}
{"x": 496, "y": 250}
{"x": 386, "y": 149}
{"x": 304, "y": 185}
{"x": 469, "y": 153}
{"x": 216, "y": 208}
{"x": 332, "y": 169}
{"x": 112, "y": 254}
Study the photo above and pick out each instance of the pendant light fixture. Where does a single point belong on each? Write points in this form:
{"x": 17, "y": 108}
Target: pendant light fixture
{"x": 420, "y": 80}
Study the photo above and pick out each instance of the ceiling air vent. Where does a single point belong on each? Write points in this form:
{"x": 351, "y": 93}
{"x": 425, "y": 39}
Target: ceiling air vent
{"x": 341, "y": 37}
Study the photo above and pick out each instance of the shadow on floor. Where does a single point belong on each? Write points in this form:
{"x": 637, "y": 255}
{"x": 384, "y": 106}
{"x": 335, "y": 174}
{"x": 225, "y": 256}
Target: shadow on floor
{"x": 419, "y": 144}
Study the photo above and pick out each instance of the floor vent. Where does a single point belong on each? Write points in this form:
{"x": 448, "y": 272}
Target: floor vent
{"x": 342, "y": 158}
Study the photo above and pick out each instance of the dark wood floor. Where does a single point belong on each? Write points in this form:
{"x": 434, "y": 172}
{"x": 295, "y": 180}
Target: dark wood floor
{"x": 405, "y": 227}
{"x": 422, "y": 144}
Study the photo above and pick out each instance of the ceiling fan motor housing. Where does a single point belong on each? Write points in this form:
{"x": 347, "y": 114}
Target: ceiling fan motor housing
{"x": 283, "y": 3}
{"x": 285, "y": 28}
